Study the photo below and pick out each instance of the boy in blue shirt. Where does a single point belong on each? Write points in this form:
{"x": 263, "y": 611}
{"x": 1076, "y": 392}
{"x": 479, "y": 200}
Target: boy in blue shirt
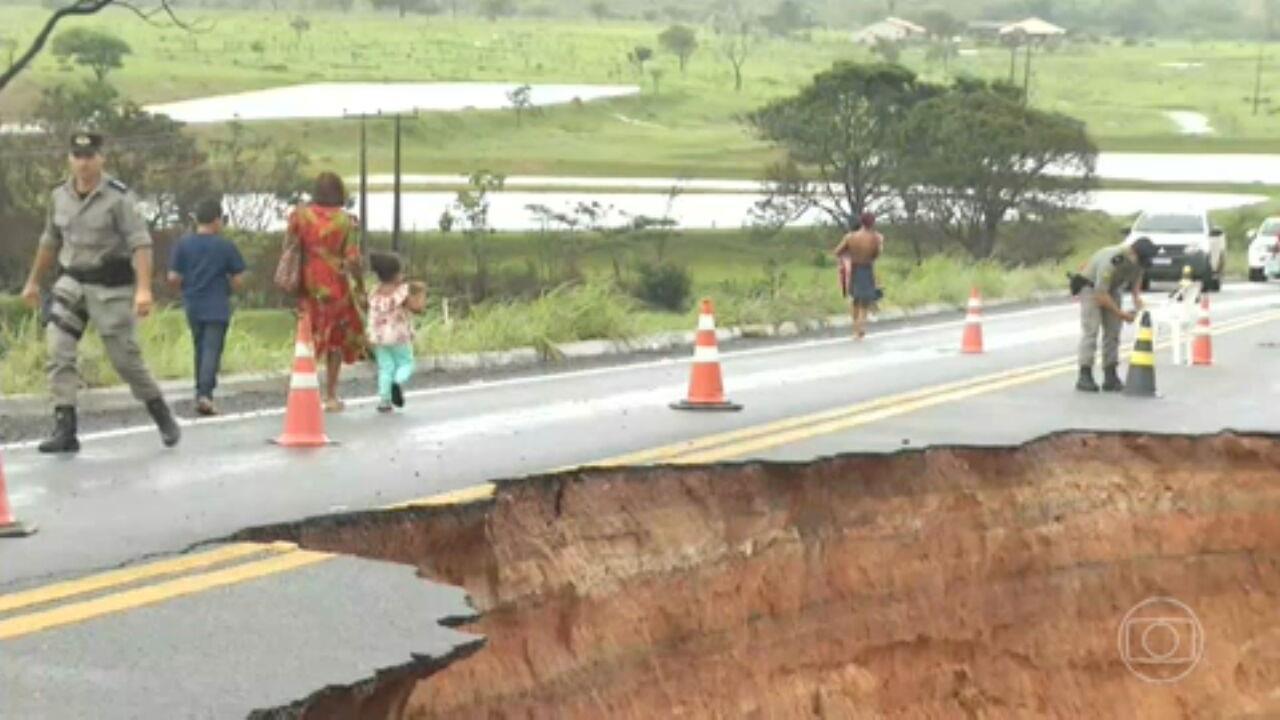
{"x": 207, "y": 267}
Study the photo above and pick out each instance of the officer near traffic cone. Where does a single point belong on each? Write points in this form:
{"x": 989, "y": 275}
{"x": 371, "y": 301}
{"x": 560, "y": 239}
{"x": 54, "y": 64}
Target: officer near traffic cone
{"x": 1101, "y": 312}
{"x": 102, "y": 248}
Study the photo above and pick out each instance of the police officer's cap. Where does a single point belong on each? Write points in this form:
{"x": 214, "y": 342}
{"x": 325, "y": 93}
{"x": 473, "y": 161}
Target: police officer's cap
{"x": 1145, "y": 250}
{"x": 86, "y": 143}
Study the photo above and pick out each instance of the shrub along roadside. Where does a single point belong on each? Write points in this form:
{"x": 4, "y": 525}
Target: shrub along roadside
{"x": 262, "y": 340}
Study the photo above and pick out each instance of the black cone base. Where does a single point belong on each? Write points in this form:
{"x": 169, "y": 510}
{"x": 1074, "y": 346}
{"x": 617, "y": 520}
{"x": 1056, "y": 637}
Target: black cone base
{"x": 706, "y": 407}
{"x": 1140, "y": 382}
{"x": 17, "y": 529}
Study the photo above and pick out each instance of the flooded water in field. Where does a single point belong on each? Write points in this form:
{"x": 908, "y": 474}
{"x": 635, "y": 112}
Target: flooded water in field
{"x": 335, "y": 100}
{"x": 1190, "y": 123}
{"x": 509, "y": 210}
{"x": 1190, "y": 168}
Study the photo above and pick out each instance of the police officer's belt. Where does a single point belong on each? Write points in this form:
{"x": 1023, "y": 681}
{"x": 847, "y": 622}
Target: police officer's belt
{"x": 112, "y": 273}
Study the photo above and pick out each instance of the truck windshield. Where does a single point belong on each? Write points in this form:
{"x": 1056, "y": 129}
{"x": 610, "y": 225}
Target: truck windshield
{"x": 1169, "y": 224}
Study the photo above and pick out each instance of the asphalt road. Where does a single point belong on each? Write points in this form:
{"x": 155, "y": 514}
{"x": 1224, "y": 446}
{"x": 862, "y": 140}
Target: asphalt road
{"x": 127, "y": 502}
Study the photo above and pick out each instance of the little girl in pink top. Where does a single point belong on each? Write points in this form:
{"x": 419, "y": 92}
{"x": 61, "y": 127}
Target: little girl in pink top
{"x": 390, "y": 327}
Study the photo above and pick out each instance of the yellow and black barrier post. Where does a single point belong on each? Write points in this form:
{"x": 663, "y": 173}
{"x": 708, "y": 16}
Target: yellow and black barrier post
{"x": 1141, "y": 380}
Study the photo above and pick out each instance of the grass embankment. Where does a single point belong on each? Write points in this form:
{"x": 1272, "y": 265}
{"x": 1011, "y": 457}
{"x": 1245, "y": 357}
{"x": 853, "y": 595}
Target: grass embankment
{"x": 686, "y": 126}
{"x": 753, "y": 280}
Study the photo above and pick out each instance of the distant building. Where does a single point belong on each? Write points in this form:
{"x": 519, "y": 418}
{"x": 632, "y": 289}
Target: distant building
{"x": 1034, "y": 28}
{"x": 891, "y": 30}
{"x": 994, "y": 30}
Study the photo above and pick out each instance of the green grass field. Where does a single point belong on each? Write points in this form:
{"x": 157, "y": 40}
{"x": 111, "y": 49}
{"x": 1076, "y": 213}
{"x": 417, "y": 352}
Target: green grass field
{"x": 690, "y": 127}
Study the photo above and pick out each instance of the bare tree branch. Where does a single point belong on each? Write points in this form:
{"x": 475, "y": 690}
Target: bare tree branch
{"x": 166, "y": 10}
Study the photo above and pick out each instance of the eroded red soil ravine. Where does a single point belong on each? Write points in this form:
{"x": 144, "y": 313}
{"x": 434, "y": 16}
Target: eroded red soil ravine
{"x": 951, "y": 582}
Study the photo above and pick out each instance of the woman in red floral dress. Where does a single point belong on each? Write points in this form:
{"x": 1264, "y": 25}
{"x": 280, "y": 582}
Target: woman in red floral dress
{"x": 331, "y": 266}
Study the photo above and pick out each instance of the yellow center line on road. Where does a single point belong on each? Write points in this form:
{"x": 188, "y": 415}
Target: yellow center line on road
{"x": 130, "y": 575}
{"x": 669, "y": 452}
{"x": 153, "y": 594}
{"x": 738, "y": 443}
{"x": 457, "y": 497}
{"x": 714, "y": 448}
{"x": 817, "y": 425}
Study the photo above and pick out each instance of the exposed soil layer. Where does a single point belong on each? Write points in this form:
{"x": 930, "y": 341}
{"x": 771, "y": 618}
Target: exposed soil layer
{"x": 951, "y": 582}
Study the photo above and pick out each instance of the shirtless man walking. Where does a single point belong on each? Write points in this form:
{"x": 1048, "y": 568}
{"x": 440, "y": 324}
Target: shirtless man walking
{"x": 857, "y": 254}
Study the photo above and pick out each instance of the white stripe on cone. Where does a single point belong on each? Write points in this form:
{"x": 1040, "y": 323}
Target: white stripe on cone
{"x": 302, "y": 350}
{"x": 706, "y": 322}
{"x": 705, "y": 354}
{"x": 304, "y": 381}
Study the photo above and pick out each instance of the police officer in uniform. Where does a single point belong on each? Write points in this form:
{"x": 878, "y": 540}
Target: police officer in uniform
{"x": 1105, "y": 276}
{"x": 102, "y": 251}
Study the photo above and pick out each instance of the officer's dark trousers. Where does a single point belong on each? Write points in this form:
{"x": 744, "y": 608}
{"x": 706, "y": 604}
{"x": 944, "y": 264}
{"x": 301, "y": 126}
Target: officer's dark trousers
{"x": 209, "y": 339}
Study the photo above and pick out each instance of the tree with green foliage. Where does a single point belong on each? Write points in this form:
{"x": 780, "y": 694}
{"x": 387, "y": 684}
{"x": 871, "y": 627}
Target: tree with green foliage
{"x": 157, "y": 12}
{"x": 639, "y": 56}
{"x": 521, "y": 99}
{"x": 99, "y": 51}
{"x": 600, "y": 10}
{"x": 940, "y": 24}
{"x": 681, "y": 41}
{"x": 984, "y": 157}
{"x": 657, "y": 74}
{"x": 735, "y": 30}
{"x": 494, "y": 9}
{"x": 263, "y": 173}
{"x": 842, "y": 135}
{"x": 300, "y": 26}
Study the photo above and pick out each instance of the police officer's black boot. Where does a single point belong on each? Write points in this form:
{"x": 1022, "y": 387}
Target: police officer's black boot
{"x": 63, "y": 439}
{"x": 1086, "y": 383}
{"x": 1112, "y": 382}
{"x": 170, "y": 433}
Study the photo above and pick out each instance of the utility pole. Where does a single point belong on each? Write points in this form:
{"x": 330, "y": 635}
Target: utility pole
{"x": 1257, "y": 80}
{"x": 1026, "y": 78}
{"x": 395, "y": 226}
{"x": 364, "y": 174}
{"x": 364, "y": 183}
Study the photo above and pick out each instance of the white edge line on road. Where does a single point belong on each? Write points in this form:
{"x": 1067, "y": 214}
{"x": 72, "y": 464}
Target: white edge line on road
{"x": 570, "y": 375}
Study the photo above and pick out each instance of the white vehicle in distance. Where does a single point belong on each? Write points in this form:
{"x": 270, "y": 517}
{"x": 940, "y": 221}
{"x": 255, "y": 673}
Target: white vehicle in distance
{"x": 1264, "y": 251}
{"x": 1182, "y": 239}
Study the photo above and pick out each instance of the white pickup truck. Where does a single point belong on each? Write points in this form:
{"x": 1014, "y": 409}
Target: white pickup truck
{"x": 1264, "y": 251}
{"x": 1182, "y": 239}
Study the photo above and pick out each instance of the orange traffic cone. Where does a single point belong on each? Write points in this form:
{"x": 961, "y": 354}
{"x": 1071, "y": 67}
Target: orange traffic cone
{"x": 304, "y": 416}
{"x": 706, "y": 388}
{"x": 1202, "y": 340}
{"x": 972, "y": 343}
{"x": 9, "y": 525}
